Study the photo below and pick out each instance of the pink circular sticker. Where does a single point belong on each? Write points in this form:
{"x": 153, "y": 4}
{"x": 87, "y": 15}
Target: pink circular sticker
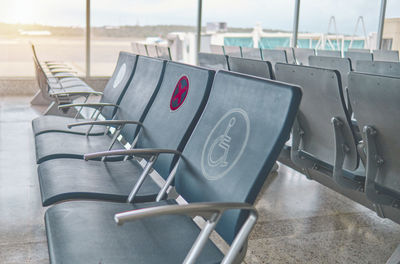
{"x": 180, "y": 93}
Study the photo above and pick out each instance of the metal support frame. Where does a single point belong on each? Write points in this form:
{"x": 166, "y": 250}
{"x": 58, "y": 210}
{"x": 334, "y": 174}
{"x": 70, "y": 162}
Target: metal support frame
{"x": 295, "y": 23}
{"x": 88, "y": 38}
{"x": 198, "y": 36}
{"x": 381, "y": 24}
{"x": 341, "y": 150}
{"x": 374, "y": 167}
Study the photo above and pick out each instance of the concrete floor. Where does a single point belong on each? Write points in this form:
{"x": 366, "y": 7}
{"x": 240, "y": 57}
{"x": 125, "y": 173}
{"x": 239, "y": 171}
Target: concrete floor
{"x": 300, "y": 221}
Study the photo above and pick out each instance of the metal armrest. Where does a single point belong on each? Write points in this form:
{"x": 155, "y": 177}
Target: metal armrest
{"x": 210, "y": 211}
{"x": 130, "y": 152}
{"x": 206, "y": 210}
{"x": 62, "y": 77}
{"x": 111, "y": 123}
{"x": 66, "y": 93}
{"x": 90, "y": 105}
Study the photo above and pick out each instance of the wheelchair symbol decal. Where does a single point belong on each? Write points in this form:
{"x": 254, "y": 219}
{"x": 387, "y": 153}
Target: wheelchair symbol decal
{"x": 225, "y": 144}
{"x": 120, "y": 76}
{"x": 180, "y": 93}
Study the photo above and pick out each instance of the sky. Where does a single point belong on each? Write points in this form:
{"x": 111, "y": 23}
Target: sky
{"x": 271, "y": 14}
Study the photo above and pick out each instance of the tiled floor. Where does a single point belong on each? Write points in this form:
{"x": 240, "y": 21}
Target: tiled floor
{"x": 300, "y": 221}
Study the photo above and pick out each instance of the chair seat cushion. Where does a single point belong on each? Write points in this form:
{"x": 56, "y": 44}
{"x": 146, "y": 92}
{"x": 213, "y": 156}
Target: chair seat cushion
{"x": 57, "y": 145}
{"x": 85, "y": 232}
{"x": 53, "y": 123}
{"x": 65, "y": 179}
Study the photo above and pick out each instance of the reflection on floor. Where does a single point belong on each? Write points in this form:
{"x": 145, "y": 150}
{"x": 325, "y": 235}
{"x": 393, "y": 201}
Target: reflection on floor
{"x": 300, "y": 221}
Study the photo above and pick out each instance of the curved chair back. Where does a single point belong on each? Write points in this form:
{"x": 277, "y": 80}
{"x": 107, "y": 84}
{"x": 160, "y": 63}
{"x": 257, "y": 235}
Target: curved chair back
{"x": 251, "y": 53}
{"x": 176, "y": 108}
{"x": 213, "y": 61}
{"x": 140, "y": 93}
{"x": 301, "y": 55}
{"x": 375, "y": 100}
{"x": 119, "y": 82}
{"x": 386, "y": 55}
{"x": 329, "y": 53}
{"x": 235, "y": 143}
{"x": 379, "y": 67}
{"x": 323, "y": 99}
{"x": 257, "y": 68}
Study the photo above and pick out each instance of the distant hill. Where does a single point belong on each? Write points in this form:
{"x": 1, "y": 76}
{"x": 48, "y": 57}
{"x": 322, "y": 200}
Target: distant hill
{"x": 13, "y": 30}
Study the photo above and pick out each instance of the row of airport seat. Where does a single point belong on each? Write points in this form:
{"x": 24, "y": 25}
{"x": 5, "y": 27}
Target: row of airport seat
{"x": 152, "y": 50}
{"x": 300, "y": 55}
{"x": 343, "y": 110}
{"x": 213, "y": 136}
{"x": 59, "y": 84}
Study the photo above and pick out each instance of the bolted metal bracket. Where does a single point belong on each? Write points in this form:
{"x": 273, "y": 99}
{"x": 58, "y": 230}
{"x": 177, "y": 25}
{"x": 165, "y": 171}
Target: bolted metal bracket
{"x": 295, "y": 153}
{"x": 341, "y": 150}
{"x": 374, "y": 164}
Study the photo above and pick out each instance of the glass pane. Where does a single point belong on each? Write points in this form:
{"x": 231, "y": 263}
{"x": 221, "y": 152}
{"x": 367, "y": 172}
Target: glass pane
{"x": 55, "y": 29}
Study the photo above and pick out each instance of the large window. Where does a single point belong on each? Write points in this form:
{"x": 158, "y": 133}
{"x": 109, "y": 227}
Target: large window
{"x": 338, "y": 24}
{"x": 56, "y": 28}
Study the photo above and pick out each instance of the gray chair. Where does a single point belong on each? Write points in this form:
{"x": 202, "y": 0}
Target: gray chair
{"x": 151, "y": 50}
{"x": 142, "y": 49}
{"x": 66, "y": 145}
{"x": 222, "y": 169}
{"x": 386, "y": 55}
{"x": 274, "y": 56}
{"x": 257, "y": 68}
{"x": 134, "y": 47}
{"x": 322, "y": 134}
{"x": 329, "y": 53}
{"x": 234, "y": 51}
{"x": 379, "y": 67}
{"x": 343, "y": 65}
{"x": 355, "y": 56}
{"x": 289, "y": 54}
{"x": 301, "y": 55}
{"x": 213, "y": 61}
{"x": 358, "y": 50}
{"x": 217, "y": 49}
{"x": 167, "y": 125}
{"x": 375, "y": 100}
{"x": 107, "y": 107}
{"x": 251, "y": 53}
{"x": 163, "y": 52}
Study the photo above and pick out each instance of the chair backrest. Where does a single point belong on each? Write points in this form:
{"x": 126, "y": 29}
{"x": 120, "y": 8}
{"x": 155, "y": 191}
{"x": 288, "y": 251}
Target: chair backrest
{"x": 175, "y": 111}
{"x": 323, "y": 99}
{"x": 213, "y": 61}
{"x": 217, "y": 49}
{"x": 257, "y": 68}
{"x": 302, "y": 55}
{"x": 379, "y": 67}
{"x": 274, "y": 56}
{"x": 358, "y": 50}
{"x": 329, "y": 53}
{"x": 375, "y": 100}
{"x": 289, "y": 54}
{"x": 236, "y": 142}
{"x": 151, "y": 50}
{"x": 343, "y": 65}
{"x": 251, "y": 53}
{"x": 142, "y": 49}
{"x": 41, "y": 78}
{"x": 386, "y": 55}
{"x": 163, "y": 52}
{"x": 234, "y": 51}
{"x": 134, "y": 47}
{"x": 119, "y": 82}
{"x": 355, "y": 56}
{"x": 140, "y": 93}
